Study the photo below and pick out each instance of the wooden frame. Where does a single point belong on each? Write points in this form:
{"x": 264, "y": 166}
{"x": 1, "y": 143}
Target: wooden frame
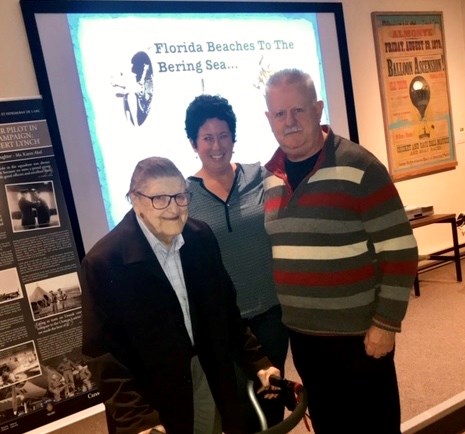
{"x": 410, "y": 53}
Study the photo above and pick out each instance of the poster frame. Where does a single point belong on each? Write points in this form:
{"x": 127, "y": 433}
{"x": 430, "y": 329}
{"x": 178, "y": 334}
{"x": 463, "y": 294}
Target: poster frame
{"x": 415, "y": 145}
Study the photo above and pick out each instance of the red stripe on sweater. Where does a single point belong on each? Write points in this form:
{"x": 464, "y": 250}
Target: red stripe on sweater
{"x": 324, "y": 279}
{"x": 379, "y": 196}
{"x": 275, "y": 204}
{"x": 329, "y": 200}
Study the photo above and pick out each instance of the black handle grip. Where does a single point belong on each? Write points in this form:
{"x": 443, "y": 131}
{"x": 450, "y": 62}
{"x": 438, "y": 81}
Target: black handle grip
{"x": 276, "y": 381}
{"x": 294, "y": 397}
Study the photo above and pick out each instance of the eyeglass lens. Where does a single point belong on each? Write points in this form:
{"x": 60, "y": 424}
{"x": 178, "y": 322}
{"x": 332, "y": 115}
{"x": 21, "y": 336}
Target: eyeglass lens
{"x": 163, "y": 200}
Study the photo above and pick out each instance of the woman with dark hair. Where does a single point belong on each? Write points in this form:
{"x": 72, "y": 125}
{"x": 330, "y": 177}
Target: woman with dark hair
{"x": 229, "y": 197}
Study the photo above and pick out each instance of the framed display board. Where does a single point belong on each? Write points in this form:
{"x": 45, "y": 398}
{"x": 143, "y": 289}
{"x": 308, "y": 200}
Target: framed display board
{"x": 44, "y": 376}
{"x": 412, "y": 68}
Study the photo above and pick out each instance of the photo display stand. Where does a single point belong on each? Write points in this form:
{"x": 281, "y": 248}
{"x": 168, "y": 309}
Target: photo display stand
{"x": 43, "y": 375}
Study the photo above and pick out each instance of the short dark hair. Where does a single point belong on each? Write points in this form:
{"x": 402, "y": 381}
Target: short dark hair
{"x": 153, "y": 168}
{"x": 205, "y": 107}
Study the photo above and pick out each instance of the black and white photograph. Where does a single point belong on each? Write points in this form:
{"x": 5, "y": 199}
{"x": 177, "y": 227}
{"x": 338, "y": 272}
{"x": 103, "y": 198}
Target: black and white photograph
{"x": 68, "y": 376}
{"x": 18, "y": 364}
{"x": 10, "y": 287}
{"x": 54, "y": 296}
{"x": 32, "y": 206}
{"x": 135, "y": 87}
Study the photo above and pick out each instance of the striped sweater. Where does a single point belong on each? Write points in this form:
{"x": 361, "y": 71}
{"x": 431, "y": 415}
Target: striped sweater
{"x": 344, "y": 256}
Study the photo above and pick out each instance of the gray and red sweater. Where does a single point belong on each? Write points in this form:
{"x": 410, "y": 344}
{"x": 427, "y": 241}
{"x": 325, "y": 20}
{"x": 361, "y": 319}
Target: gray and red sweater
{"x": 344, "y": 255}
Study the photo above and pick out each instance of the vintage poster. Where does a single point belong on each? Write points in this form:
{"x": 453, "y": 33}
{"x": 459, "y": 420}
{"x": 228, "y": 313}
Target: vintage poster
{"x": 43, "y": 376}
{"x": 412, "y": 69}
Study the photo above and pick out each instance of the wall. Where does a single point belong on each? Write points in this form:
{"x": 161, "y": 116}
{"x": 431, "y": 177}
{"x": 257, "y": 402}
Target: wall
{"x": 443, "y": 190}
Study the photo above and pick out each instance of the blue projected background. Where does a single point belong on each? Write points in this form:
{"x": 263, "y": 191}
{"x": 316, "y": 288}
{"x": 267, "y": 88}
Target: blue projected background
{"x": 138, "y": 74}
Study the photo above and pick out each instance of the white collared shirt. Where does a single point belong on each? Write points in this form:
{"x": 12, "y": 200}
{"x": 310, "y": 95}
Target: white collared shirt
{"x": 170, "y": 261}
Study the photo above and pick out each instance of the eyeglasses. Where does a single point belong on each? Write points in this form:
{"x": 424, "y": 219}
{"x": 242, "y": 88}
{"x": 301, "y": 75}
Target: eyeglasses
{"x": 162, "y": 201}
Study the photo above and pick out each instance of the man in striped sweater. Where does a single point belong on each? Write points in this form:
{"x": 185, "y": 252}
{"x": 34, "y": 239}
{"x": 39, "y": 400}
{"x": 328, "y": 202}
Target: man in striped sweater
{"x": 344, "y": 260}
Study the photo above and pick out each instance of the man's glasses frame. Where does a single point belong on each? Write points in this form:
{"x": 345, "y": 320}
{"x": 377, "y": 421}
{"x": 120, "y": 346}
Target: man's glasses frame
{"x": 162, "y": 201}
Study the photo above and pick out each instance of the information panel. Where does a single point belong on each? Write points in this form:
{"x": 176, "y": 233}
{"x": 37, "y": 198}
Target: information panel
{"x": 42, "y": 373}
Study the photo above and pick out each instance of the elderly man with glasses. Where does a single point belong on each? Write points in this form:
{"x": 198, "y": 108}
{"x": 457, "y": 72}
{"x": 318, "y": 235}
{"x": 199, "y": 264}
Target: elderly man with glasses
{"x": 161, "y": 324}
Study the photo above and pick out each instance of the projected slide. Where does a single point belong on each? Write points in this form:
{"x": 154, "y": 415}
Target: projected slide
{"x": 119, "y": 76}
{"x": 139, "y": 73}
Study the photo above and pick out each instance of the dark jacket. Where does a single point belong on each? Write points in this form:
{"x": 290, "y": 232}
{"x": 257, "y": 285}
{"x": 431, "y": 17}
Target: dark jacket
{"x": 134, "y": 330}
{"x": 28, "y": 219}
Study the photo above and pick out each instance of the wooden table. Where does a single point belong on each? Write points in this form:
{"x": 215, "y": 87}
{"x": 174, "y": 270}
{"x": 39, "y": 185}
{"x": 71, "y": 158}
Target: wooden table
{"x": 440, "y": 218}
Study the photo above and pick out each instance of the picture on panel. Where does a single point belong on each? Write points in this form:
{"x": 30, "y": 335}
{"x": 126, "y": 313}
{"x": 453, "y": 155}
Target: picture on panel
{"x": 32, "y": 206}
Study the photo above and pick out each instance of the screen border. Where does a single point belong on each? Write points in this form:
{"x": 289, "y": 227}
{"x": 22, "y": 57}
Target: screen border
{"x": 31, "y": 8}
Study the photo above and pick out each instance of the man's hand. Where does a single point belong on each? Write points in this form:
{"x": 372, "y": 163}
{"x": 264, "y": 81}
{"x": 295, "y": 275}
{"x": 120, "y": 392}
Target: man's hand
{"x": 379, "y": 342}
{"x": 264, "y": 376}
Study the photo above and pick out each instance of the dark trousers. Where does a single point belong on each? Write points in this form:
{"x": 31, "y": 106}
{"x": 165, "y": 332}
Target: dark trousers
{"x": 274, "y": 338}
{"x": 348, "y": 391}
